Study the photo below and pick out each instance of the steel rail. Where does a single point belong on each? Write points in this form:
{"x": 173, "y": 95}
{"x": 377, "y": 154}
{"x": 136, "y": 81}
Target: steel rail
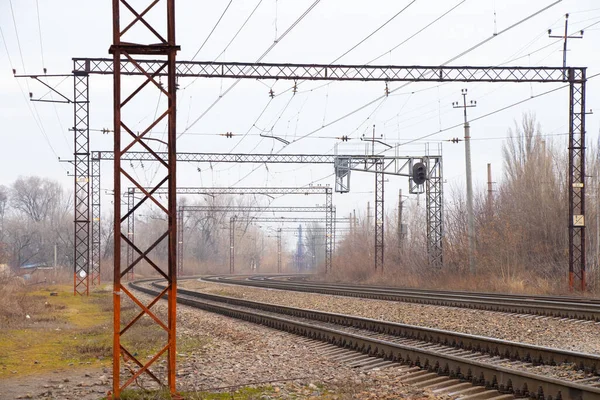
{"x": 503, "y": 379}
{"x": 302, "y": 279}
{"x": 537, "y": 355}
{"x": 490, "y": 302}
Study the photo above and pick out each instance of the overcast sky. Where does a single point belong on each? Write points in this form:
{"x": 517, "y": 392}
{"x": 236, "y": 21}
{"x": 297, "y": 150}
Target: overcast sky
{"x": 48, "y": 34}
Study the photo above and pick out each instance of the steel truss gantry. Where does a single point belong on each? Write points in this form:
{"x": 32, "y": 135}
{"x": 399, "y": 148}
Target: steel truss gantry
{"x": 159, "y": 42}
{"x": 214, "y": 191}
{"x": 343, "y": 163}
{"x": 575, "y": 77}
{"x": 330, "y": 223}
{"x": 328, "y": 209}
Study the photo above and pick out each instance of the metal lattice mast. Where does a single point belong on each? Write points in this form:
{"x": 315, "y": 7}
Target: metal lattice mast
{"x": 577, "y": 276}
{"x": 379, "y": 216}
{"x": 180, "y": 228}
{"x": 329, "y": 232}
{"x": 96, "y": 222}
{"x": 279, "y": 250}
{"x": 81, "y": 279}
{"x": 163, "y": 54}
{"x": 434, "y": 193}
{"x": 232, "y": 245}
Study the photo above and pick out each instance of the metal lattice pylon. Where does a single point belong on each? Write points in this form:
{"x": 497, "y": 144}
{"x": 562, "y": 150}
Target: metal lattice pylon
{"x": 163, "y": 49}
{"x": 577, "y": 178}
{"x": 81, "y": 129}
{"x": 379, "y": 216}
{"x": 96, "y": 223}
{"x": 434, "y": 193}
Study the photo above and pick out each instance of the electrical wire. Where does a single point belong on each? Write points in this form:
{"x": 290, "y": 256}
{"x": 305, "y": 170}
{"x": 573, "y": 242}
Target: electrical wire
{"x": 230, "y": 42}
{"x": 491, "y": 113}
{"x": 32, "y": 110}
{"x": 212, "y": 31}
{"x": 267, "y": 51}
{"x": 463, "y": 53}
{"x": 375, "y": 31}
{"x": 418, "y": 32}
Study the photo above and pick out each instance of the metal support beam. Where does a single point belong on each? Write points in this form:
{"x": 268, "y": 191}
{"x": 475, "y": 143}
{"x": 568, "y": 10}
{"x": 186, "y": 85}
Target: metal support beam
{"x": 434, "y": 194}
{"x": 333, "y": 72}
{"x": 232, "y": 245}
{"x": 279, "y": 250}
{"x": 379, "y": 216}
{"x": 180, "y": 230}
{"x": 96, "y": 222}
{"x": 81, "y": 273}
{"x": 124, "y": 48}
{"x": 577, "y": 273}
{"x": 329, "y": 232}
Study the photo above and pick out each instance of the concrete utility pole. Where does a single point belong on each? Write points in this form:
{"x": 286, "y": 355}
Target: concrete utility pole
{"x": 400, "y": 235}
{"x": 470, "y": 217}
{"x": 490, "y": 193}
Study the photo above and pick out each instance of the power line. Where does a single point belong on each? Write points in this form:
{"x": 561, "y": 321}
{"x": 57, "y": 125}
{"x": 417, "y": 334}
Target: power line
{"x": 418, "y": 32}
{"x": 275, "y": 43}
{"x": 33, "y": 111}
{"x": 476, "y": 46}
{"x": 375, "y": 31}
{"x": 213, "y": 29}
{"x": 491, "y": 113}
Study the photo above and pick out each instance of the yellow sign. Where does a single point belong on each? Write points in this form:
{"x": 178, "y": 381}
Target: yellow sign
{"x": 578, "y": 220}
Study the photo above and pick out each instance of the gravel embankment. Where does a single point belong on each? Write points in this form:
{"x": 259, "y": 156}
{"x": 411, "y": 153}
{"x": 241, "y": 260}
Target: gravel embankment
{"x": 232, "y": 354}
{"x": 240, "y": 353}
{"x": 549, "y": 332}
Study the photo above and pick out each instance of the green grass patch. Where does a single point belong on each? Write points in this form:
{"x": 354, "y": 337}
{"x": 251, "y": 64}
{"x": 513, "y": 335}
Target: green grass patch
{"x": 61, "y": 332}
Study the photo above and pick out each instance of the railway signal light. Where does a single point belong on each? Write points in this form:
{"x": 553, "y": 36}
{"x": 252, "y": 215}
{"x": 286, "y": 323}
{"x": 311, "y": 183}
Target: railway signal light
{"x": 419, "y": 173}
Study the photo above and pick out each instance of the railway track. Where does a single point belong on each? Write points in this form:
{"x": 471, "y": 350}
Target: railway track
{"x": 559, "y": 307}
{"x": 507, "y": 367}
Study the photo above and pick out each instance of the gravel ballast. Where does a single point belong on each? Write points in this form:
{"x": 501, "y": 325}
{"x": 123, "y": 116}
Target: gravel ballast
{"x": 564, "y": 334}
{"x": 241, "y": 353}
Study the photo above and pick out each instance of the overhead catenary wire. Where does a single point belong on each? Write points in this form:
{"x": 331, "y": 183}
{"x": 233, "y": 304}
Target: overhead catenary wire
{"x": 267, "y": 51}
{"x": 212, "y": 30}
{"x": 463, "y": 53}
{"x": 393, "y": 17}
{"x": 472, "y": 48}
{"x": 418, "y": 32}
{"x": 32, "y": 109}
{"x": 491, "y": 113}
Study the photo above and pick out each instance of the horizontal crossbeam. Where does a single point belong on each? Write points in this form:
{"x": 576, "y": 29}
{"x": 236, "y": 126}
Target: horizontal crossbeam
{"x": 393, "y": 165}
{"x": 244, "y": 190}
{"x": 257, "y": 209}
{"x": 326, "y": 72}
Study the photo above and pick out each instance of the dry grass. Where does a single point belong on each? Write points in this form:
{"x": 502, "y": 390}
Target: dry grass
{"x": 354, "y": 263}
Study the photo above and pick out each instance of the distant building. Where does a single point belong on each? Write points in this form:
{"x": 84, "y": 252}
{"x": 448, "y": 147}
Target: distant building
{"x": 26, "y": 270}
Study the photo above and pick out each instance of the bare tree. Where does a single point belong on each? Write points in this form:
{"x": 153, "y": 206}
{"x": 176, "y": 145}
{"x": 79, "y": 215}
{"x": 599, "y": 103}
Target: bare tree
{"x": 35, "y": 197}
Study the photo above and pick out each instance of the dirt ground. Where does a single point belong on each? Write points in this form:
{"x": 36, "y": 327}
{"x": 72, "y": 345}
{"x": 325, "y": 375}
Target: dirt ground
{"x": 81, "y": 384}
